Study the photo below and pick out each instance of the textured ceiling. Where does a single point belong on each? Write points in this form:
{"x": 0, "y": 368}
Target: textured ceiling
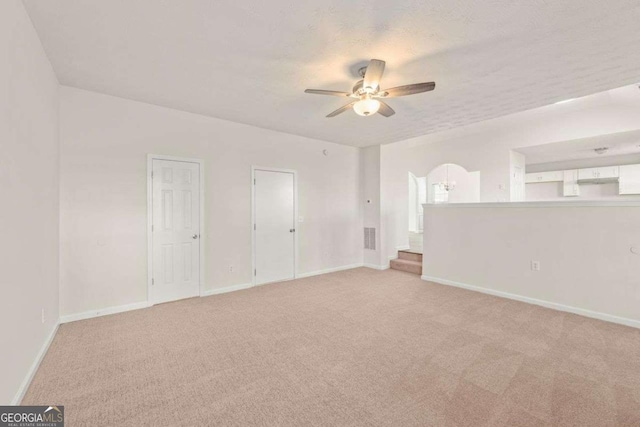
{"x": 250, "y": 61}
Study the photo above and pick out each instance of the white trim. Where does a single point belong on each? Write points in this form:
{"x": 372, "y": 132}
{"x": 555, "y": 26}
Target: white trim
{"x": 34, "y": 367}
{"x": 329, "y": 270}
{"x": 226, "y": 289}
{"x": 556, "y": 306}
{"x": 376, "y": 267}
{"x": 104, "y": 311}
{"x": 200, "y": 162}
{"x": 550, "y": 204}
{"x": 254, "y": 168}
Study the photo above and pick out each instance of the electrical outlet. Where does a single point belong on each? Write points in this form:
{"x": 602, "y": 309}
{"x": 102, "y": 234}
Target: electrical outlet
{"x": 535, "y": 265}
{"x": 231, "y": 269}
{"x": 43, "y": 315}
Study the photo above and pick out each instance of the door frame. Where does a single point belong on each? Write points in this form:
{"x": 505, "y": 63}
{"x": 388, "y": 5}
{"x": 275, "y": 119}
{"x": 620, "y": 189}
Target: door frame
{"x": 150, "y": 159}
{"x": 255, "y": 168}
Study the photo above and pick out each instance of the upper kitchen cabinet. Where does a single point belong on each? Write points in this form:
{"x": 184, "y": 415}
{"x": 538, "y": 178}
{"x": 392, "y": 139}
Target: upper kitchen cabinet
{"x": 552, "y": 176}
{"x": 630, "y": 179}
{"x": 600, "y": 173}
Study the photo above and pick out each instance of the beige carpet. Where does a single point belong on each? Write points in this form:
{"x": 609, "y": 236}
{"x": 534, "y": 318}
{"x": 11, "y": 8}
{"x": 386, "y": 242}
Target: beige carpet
{"x": 354, "y": 348}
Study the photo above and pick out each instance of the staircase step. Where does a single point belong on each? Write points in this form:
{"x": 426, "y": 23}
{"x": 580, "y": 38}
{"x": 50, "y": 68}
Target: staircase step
{"x": 407, "y": 265}
{"x": 410, "y": 256}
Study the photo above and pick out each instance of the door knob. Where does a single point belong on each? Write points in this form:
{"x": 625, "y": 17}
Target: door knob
{"x": 195, "y": 236}
{"x": 292, "y": 230}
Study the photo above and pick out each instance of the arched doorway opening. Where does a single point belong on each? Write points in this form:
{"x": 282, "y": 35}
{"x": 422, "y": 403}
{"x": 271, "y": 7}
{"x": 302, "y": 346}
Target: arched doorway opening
{"x": 451, "y": 183}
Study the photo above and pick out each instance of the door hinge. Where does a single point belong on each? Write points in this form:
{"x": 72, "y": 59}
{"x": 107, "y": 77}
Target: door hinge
{"x": 254, "y": 227}
{"x": 151, "y": 227}
{"x": 153, "y": 281}
{"x": 151, "y": 174}
{"x": 254, "y": 181}
{"x": 255, "y": 272}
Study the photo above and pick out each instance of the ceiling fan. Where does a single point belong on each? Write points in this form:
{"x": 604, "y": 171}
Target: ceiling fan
{"x": 367, "y": 92}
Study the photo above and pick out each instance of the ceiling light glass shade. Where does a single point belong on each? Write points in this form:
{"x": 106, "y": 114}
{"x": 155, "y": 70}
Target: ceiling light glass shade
{"x": 366, "y": 107}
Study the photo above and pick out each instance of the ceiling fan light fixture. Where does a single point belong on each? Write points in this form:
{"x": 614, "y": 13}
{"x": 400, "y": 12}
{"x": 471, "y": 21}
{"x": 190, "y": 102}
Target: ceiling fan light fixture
{"x": 366, "y": 91}
{"x": 366, "y": 106}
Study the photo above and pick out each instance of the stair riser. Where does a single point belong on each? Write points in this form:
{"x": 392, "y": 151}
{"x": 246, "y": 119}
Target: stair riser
{"x": 409, "y": 268}
{"x": 410, "y": 256}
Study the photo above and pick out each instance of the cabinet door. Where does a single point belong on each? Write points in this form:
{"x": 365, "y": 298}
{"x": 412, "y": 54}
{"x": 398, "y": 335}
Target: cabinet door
{"x": 630, "y": 179}
{"x": 552, "y": 176}
{"x": 570, "y": 187}
{"x": 589, "y": 173}
{"x": 608, "y": 172}
{"x": 530, "y": 178}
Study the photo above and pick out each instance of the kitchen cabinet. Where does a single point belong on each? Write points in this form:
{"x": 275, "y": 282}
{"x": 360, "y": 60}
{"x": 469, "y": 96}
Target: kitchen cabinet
{"x": 601, "y": 173}
{"x": 552, "y": 176}
{"x": 570, "y": 187}
{"x": 629, "y": 179}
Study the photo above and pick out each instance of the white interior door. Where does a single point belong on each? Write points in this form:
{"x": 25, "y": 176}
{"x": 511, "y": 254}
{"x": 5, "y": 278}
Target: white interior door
{"x": 175, "y": 230}
{"x": 274, "y": 226}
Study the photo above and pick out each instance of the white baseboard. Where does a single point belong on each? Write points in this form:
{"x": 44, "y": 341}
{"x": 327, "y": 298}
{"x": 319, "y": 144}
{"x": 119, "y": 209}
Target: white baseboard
{"x": 226, "y": 289}
{"x": 34, "y": 367}
{"x": 144, "y": 304}
{"x": 403, "y": 248}
{"x": 329, "y": 270}
{"x": 553, "y": 305}
{"x": 377, "y": 267}
{"x": 104, "y": 312}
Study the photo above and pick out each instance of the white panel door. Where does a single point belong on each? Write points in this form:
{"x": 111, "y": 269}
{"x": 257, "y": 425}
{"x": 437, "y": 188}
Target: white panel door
{"x": 176, "y": 230}
{"x": 274, "y": 227}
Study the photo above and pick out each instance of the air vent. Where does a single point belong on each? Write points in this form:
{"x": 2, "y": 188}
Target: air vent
{"x": 370, "y": 238}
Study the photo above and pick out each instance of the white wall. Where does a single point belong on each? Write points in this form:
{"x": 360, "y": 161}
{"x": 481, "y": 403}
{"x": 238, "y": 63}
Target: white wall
{"x": 413, "y": 202}
{"x": 585, "y": 255}
{"x": 485, "y": 147}
{"x": 29, "y": 191}
{"x": 371, "y": 202}
{"x": 104, "y": 144}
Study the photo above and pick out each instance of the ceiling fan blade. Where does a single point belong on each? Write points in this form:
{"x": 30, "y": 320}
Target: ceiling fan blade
{"x": 342, "y": 109}
{"x": 373, "y": 75}
{"x": 385, "y": 110}
{"x": 407, "y": 90}
{"x": 327, "y": 92}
